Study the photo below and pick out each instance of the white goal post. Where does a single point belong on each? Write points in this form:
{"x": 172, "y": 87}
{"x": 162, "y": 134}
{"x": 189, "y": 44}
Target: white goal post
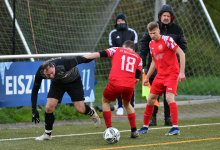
{"x": 19, "y": 30}
{"x": 210, "y": 20}
{"x": 41, "y": 55}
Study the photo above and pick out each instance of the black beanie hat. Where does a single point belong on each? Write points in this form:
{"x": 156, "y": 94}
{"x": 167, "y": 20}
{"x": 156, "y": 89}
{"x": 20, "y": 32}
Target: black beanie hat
{"x": 120, "y": 16}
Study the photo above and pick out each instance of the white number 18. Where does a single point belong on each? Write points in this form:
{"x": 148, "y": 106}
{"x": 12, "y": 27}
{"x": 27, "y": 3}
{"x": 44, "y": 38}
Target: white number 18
{"x": 127, "y": 64}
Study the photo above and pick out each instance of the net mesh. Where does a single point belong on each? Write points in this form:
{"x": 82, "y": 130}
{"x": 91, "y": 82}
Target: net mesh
{"x": 63, "y": 26}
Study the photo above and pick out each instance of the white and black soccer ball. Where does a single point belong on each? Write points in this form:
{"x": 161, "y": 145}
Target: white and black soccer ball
{"x": 111, "y": 135}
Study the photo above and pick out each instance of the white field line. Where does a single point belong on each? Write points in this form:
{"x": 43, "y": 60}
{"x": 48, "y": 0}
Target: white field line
{"x": 26, "y": 138}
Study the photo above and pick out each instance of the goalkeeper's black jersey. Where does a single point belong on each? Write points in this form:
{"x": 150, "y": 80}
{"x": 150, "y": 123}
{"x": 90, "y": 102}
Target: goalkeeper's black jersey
{"x": 65, "y": 70}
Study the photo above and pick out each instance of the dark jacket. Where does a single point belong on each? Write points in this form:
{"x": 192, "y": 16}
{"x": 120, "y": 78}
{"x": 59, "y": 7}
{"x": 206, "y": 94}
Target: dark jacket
{"x": 173, "y": 30}
{"x": 118, "y": 37}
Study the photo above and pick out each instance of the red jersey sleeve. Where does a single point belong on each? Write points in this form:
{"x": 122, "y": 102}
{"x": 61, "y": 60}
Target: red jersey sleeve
{"x": 111, "y": 51}
{"x": 171, "y": 43}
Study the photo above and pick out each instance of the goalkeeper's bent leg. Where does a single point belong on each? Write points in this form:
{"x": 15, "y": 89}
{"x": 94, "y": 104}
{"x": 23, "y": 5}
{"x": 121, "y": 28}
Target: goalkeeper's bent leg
{"x": 88, "y": 111}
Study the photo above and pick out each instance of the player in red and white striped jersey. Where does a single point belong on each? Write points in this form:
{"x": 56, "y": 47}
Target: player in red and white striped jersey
{"x": 163, "y": 51}
{"x": 124, "y": 74}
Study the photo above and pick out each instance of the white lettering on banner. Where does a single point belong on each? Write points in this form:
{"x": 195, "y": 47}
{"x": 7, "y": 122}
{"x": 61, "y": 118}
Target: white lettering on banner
{"x": 48, "y": 85}
{"x": 29, "y": 77}
{"x": 42, "y": 89}
{"x": 84, "y": 77}
{"x": 20, "y": 87}
{"x": 21, "y": 84}
{"x": 88, "y": 75}
{"x": 15, "y": 84}
{"x": 18, "y": 81}
{"x": 8, "y": 85}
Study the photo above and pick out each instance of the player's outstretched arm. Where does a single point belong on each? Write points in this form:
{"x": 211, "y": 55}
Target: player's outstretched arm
{"x": 94, "y": 55}
{"x": 180, "y": 52}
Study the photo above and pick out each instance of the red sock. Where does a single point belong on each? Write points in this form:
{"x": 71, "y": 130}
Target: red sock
{"x": 174, "y": 113}
{"x": 132, "y": 120}
{"x": 148, "y": 113}
{"x": 107, "y": 115}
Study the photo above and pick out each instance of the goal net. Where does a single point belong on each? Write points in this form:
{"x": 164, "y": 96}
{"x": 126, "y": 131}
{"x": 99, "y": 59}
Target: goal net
{"x": 64, "y": 26}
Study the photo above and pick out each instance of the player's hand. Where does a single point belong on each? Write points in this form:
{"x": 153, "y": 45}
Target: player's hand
{"x": 35, "y": 116}
{"x": 181, "y": 77}
{"x": 137, "y": 81}
{"x": 145, "y": 82}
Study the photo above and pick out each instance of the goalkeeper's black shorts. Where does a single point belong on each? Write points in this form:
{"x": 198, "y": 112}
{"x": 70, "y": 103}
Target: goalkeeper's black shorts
{"x": 74, "y": 90}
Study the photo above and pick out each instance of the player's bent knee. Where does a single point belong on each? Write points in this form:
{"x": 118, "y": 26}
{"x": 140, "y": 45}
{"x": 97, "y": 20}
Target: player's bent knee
{"x": 126, "y": 104}
{"x": 49, "y": 109}
{"x": 151, "y": 100}
{"x": 170, "y": 98}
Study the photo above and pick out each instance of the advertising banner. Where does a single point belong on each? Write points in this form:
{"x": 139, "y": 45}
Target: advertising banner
{"x": 17, "y": 78}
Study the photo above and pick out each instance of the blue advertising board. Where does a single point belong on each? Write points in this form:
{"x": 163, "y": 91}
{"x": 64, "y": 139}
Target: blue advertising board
{"x": 17, "y": 78}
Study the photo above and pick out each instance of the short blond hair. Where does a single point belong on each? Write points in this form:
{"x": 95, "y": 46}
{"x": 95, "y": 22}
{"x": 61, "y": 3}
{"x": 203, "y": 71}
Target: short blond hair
{"x": 152, "y": 25}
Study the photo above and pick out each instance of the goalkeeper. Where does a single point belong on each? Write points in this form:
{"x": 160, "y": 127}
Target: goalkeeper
{"x": 65, "y": 78}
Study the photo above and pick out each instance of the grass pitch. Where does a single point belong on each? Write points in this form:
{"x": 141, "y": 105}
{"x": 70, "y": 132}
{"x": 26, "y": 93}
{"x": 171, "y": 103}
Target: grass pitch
{"x": 196, "y": 133}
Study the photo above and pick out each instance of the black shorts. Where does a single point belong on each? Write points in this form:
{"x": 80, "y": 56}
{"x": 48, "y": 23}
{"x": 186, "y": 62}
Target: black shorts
{"x": 74, "y": 90}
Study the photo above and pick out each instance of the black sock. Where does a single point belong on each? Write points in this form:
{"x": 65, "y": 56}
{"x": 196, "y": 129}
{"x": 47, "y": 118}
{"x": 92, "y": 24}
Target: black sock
{"x": 133, "y": 129}
{"x": 48, "y": 133}
{"x": 89, "y": 111}
{"x": 49, "y": 120}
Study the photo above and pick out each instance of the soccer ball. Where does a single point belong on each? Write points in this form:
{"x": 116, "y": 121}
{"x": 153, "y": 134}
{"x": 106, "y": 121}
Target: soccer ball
{"x": 111, "y": 135}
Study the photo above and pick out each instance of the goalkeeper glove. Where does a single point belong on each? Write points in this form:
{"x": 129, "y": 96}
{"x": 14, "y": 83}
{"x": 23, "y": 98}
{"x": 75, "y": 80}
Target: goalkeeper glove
{"x": 35, "y": 116}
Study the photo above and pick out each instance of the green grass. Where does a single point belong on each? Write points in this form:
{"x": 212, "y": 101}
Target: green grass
{"x": 199, "y": 86}
{"x": 95, "y": 141}
{"x": 24, "y": 114}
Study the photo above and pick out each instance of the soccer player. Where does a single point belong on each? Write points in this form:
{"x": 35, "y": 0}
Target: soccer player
{"x": 163, "y": 50}
{"x": 125, "y": 73}
{"x": 117, "y": 37}
{"x": 167, "y": 27}
{"x": 65, "y": 77}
